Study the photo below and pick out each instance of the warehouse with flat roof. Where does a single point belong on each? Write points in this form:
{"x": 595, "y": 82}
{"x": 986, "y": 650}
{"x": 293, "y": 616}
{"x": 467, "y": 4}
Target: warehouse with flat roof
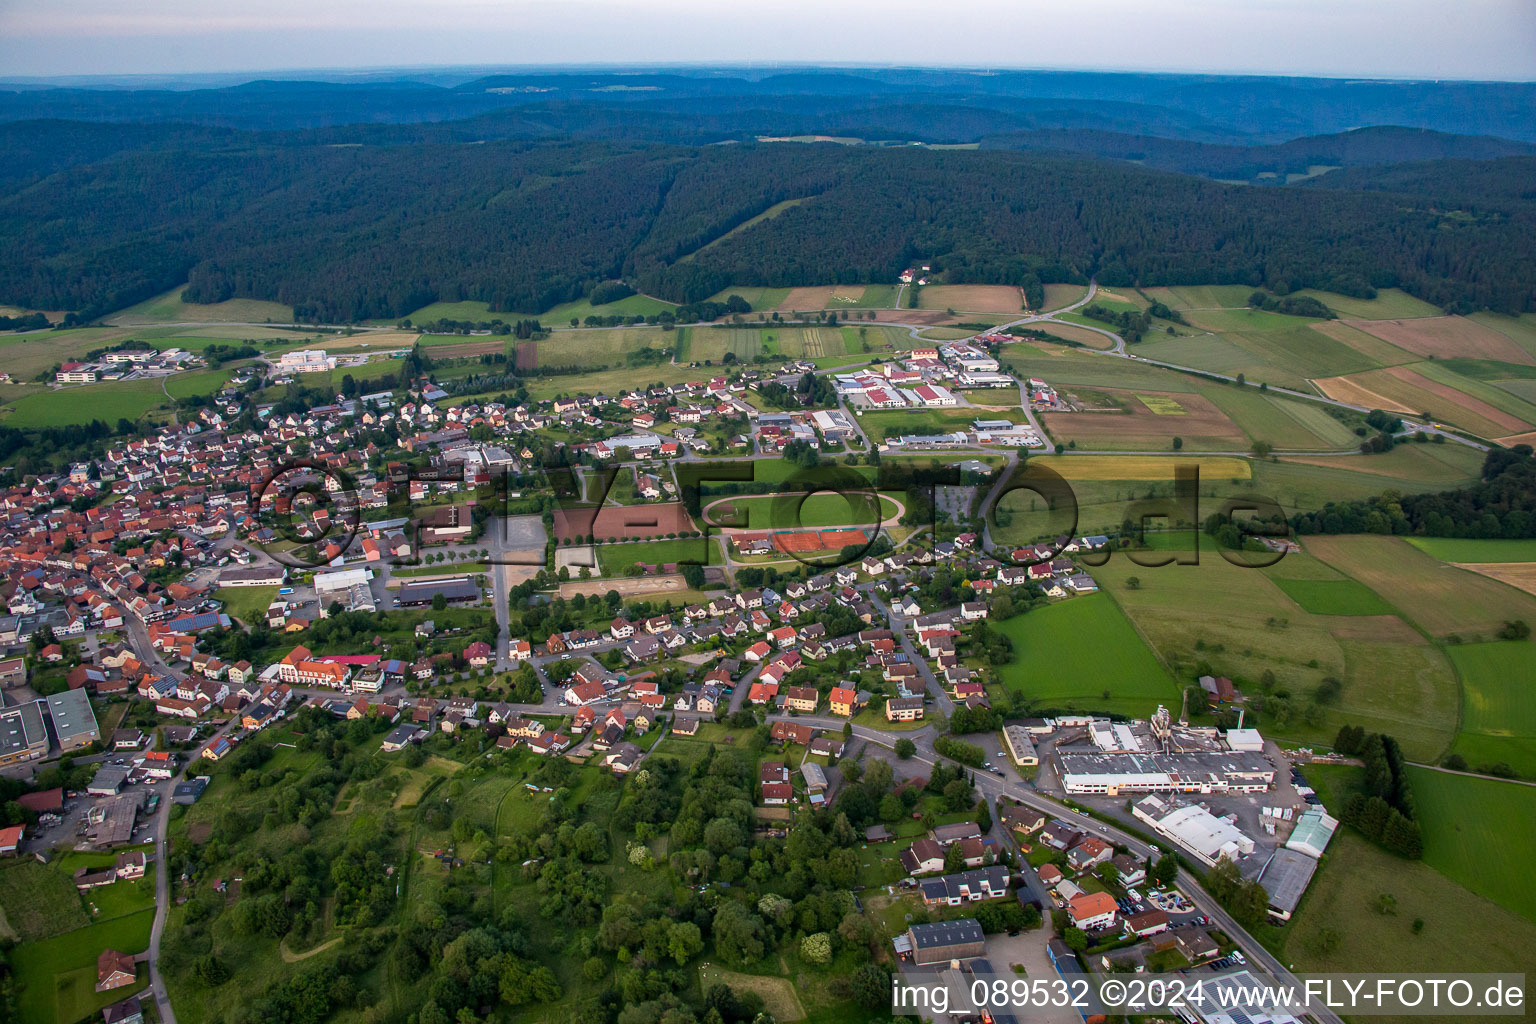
{"x": 74, "y": 723}
{"x": 23, "y": 737}
{"x": 419, "y": 594}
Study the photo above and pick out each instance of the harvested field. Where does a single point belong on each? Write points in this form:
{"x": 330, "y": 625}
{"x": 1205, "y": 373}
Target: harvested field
{"x": 621, "y": 522}
{"x": 837, "y": 296}
{"x": 1520, "y": 575}
{"x": 527, "y": 355}
{"x": 1059, "y": 295}
{"x": 468, "y": 348}
{"x": 1514, "y": 439}
{"x": 920, "y": 317}
{"x": 626, "y": 587}
{"x": 1386, "y": 629}
{"x": 1068, "y": 332}
{"x": 1401, "y": 389}
{"x": 972, "y": 298}
{"x": 1137, "y": 427}
{"x": 1368, "y": 345}
{"x": 1141, "y": 467}
{"x": 1446, "y": 337}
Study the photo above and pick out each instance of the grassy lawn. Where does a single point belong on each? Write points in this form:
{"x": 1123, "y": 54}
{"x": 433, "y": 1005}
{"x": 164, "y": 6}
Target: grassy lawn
{"x": 38, "y": 901}
{"x": 1340, "y": 911}
{"x": 1498, "y": 718}
{"x": 57, "y": 976}
{"x": 1334, "y": 597}
{"x": 1480, "y": 833}
{"x": 248, "y": 604}
{"x": 931, "y": 421}
{"x": 76, "y": 405}
{"x": 1070, "y": 655}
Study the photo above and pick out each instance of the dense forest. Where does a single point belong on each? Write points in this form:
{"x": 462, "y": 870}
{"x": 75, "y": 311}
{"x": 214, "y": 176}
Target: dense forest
{"x": 348, "y": 233}
{"x": 1501, "y": 505}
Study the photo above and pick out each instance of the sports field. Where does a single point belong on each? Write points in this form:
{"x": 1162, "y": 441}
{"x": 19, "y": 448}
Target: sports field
{"x": 1070, "y": 655}
{"x": 787, "y": 512}
{"x": 1334, "y": 597}
{"x": 1480, "y": 833}
{"x": 613, "y": 559}
{"x": 1498, "y": 718}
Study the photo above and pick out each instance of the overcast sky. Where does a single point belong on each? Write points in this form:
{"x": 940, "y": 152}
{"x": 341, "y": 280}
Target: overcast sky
{"x": 1469, "y": 39}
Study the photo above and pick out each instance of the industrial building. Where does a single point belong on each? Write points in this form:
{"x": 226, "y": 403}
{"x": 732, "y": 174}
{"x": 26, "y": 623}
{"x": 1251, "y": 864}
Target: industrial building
{"x": 1285, "y": 878}
{"x": 454, "y": 591}
{"x": 74, "y": 723}
{"x": 23, "y": 736}
{"x": 943, "y": 940}
{"x": 1313, "y": 830}
{"x": 1192, "y": 772}
{"x": 1021, "y": 745}
{"x": 1195, "y": 829}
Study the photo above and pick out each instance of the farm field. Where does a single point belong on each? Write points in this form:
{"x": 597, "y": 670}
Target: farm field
{"x": 765, "y": 512}
{"x": 1498, "y": 719}
{"x": 1244, "y": 320}
{"x": 834, "y": 296}
{"x": 1439, "y": 598}
{"x": 1060, "y": 295}
{"x": 1520, "y": 575}
{"x": 1372, "y": 349}
{"x": 1072, "y": 333}
{"x": 632, "y": 305}
{"x": 608, "y": 381}
{"x": 1244, "y": 624}
{"x": 601, "y": 348}
{"x": 168, "y": 307}
{"x": 1446, "y": 337}
{"x": 1455, "y": 549}
{"x": 1137, "y": 428}
{"x": 1401, "y": 389}
{"x": 1205, "y": 296}
{"x": 1520, "y": 329}
{"x": 1107, "y": 657}
{"x": 1389, "y": 304}
{"x": 971, "y": 298}
{"x": 1339, "y": 912}
{"x": 1479, "y": 833}
{"x": 1142, "y": 467}
{"x": 1283, "y": 422}
{"x": 1334, "y": 597}
{"x": 710, "y": 344}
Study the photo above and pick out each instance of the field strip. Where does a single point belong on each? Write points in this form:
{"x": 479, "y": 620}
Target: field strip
{"x": 1520, "y": 575}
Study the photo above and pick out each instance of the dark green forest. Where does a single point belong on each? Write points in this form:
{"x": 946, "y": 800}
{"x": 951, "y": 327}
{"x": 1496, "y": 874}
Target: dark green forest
{"x": 348, "y": 233}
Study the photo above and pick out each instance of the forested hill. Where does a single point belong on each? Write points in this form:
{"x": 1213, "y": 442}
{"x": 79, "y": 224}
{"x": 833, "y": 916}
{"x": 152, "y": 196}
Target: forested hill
{"x": 1362, "y": 147}
{"x": 353, "y": 232}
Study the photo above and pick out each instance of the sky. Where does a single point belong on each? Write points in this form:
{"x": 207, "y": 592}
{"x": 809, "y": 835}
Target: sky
{"x": 1420, "y": 39}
